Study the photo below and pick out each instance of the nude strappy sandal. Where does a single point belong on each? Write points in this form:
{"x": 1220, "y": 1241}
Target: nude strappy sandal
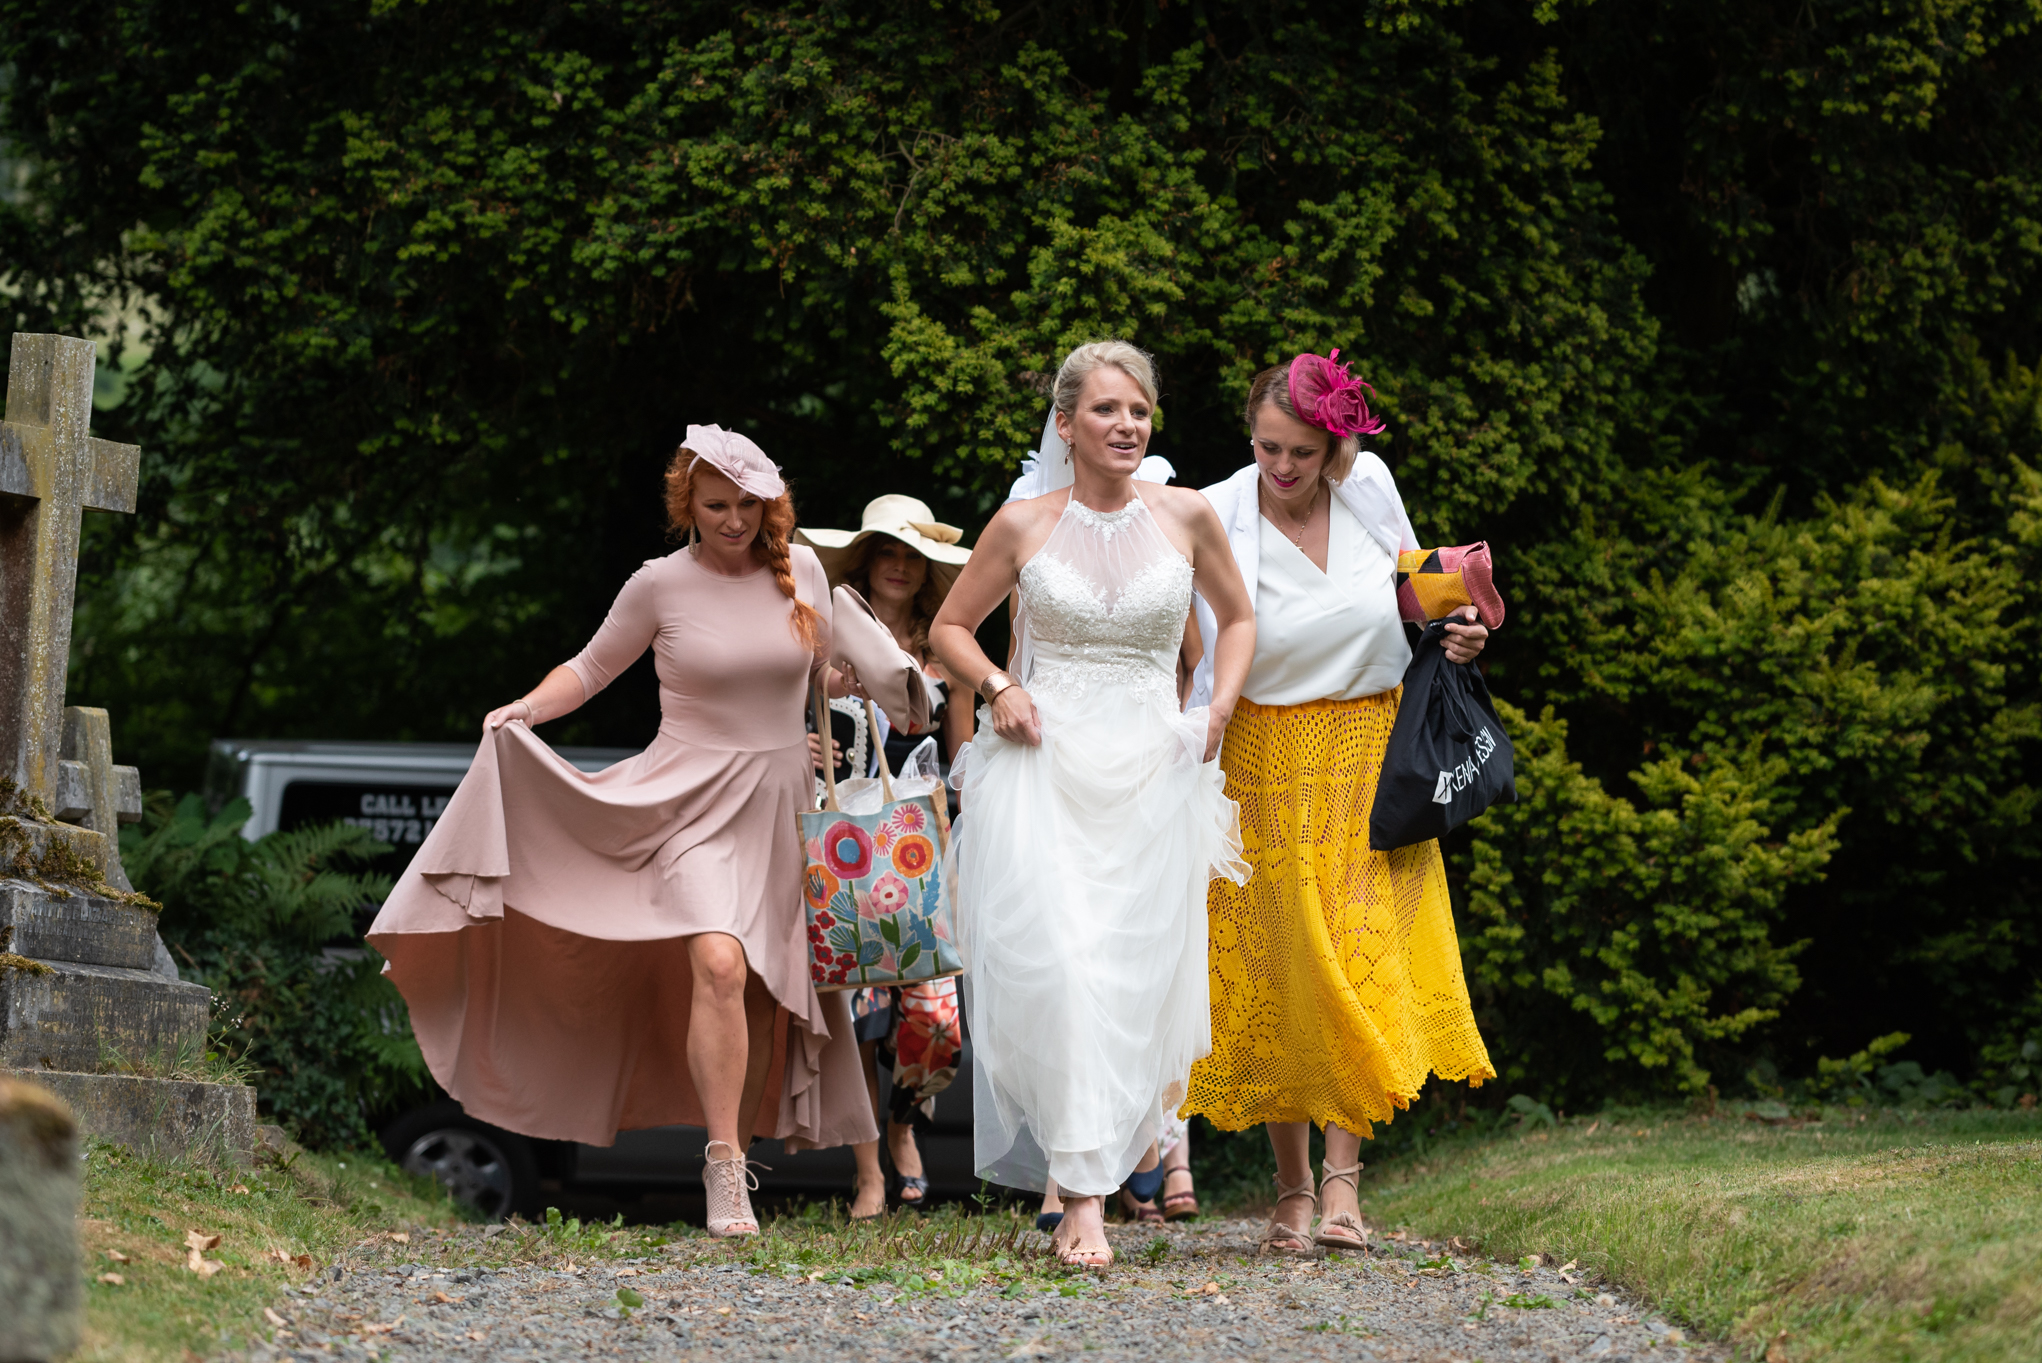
{"x": 726, "y": 1186}
{"x": 1342, "y": 1230}
{"x": 1096, "y": 1259}
{"x": 1091, "y": 1260}
{"x": 1288, "y": 1241}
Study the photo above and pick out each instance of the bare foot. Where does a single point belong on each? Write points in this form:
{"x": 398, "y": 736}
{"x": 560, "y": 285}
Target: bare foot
{"x": 1080, "y": 1239}
{"x": 869, "y": 1199}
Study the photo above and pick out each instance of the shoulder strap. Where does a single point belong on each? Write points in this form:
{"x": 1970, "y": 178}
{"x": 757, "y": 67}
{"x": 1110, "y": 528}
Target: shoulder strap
{"x": 879, "y": 751}
{"x": 821, "y": 707}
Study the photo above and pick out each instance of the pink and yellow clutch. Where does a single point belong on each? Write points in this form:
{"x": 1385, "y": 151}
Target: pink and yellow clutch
{"x": 1433, "y": 582}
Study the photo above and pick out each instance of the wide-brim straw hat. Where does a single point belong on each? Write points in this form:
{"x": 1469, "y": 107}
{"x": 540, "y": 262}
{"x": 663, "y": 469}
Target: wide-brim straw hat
{"x": 907, "y": 519}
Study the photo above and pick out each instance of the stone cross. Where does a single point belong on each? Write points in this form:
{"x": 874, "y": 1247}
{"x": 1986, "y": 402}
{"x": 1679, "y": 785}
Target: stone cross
{"x": 52, "y": 470}
{"x": 89, "y": 975}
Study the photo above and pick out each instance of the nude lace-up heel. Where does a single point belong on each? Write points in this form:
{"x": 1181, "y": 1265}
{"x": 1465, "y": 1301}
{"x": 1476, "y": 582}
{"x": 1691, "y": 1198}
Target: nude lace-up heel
{"x": 1342, "y": 1230}
{"x": 1289, "y": 1241}
{"x": 726, "y": 1186}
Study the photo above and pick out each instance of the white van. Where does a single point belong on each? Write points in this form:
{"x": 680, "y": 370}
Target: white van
{"x": 396, "y": 791}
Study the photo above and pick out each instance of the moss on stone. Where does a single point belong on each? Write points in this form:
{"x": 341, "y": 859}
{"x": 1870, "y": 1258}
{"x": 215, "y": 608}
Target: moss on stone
{"x": 18, "y": 803}
{"x": 56, "y": 866}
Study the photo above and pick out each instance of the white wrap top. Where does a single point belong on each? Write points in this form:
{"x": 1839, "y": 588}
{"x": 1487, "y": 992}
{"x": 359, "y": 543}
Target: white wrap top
{"x": 1334, "y": 635}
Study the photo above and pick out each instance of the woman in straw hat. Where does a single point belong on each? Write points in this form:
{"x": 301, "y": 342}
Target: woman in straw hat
{"x": 1336, "y": 974}
{"x": 902, "y": 560}
{"x": 584, "y": 953}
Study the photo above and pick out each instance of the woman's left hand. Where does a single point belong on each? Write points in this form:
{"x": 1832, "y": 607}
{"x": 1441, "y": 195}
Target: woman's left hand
{"x": 843, "y": 681}
{"x": 1463, "y": 642}
{"x": 1215, "y": 730}
{"x": 505, "y": 714}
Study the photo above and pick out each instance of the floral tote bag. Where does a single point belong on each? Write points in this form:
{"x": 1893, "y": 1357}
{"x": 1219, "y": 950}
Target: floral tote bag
{"x": 873, "y": 888}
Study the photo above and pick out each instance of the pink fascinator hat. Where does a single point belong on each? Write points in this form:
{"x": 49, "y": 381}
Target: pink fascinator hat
{"x": 737, "y": 459}
{"x": 1323, "y": 393}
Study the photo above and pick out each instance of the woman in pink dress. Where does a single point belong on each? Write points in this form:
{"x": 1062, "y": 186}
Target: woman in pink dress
{"x": 585, "y": 953}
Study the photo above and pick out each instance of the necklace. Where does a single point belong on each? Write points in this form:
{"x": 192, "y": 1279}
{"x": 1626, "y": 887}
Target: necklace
{"x": 1298, "y": 538}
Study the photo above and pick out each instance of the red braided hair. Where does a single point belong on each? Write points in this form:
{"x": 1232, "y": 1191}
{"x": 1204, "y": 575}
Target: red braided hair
{"x": 769, "y": 546}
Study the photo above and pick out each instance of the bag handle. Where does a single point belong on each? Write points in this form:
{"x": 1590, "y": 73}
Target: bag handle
{"x": 829, "y": 765}
{"x": 1455, "y": 704}
{"x": 879, "y": 750}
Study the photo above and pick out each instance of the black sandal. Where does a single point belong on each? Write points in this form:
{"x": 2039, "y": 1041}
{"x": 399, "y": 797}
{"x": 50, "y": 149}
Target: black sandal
{"x": 903, "y": 1185}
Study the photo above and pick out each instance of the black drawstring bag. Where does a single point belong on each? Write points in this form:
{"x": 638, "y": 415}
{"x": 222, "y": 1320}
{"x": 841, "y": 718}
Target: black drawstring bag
{"x": 1448, "y": 758}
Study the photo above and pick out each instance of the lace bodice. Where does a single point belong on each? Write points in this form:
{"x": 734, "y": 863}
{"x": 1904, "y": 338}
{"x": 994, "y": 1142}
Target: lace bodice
{"x": 1103, "y": 602}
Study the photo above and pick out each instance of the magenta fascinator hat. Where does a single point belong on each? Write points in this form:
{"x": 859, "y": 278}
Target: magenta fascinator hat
{"x": 1326, "y": 395}
{"x": 737, "y": 459}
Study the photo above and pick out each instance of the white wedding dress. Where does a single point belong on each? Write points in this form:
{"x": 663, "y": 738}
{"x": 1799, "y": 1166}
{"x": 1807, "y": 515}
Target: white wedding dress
{"x": 1080, "y": 867}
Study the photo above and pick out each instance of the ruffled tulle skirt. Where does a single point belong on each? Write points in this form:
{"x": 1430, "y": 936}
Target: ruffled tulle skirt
{"x": 1080, "y": 870}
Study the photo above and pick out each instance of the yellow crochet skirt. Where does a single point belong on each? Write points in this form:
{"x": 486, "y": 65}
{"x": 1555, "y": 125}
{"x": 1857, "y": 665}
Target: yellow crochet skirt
{"x": 1336, "y": 974}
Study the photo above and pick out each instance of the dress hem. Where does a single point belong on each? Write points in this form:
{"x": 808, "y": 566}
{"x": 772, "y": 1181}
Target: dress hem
{"x": 1322, "y": 1117}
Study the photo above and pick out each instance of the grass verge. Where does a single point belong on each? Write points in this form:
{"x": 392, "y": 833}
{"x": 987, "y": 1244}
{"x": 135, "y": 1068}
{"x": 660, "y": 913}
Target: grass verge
{"x": 1912, "y": 1237}
{"x": 277, "y": 1225}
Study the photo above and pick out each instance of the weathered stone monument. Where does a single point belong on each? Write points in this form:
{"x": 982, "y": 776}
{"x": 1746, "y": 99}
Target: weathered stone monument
{"x": 41, "y": 1290}
{"x": 85, "y": 983}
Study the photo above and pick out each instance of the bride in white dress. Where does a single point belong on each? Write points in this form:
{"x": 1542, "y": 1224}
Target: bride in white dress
{"x": 1094, "y": 813}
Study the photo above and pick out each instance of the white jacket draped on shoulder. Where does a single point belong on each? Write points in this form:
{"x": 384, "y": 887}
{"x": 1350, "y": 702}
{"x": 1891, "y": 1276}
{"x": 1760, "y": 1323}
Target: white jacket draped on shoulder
{"x": 1368, "y": 491}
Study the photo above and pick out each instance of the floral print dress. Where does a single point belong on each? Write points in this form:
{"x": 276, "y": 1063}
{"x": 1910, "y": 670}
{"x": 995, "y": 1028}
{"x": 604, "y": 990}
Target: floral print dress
{"x": 920, "y": 1030}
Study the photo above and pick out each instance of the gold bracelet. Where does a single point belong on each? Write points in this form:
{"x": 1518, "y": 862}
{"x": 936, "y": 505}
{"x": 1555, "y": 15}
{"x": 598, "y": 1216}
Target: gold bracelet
{"x": 989, "y": 678}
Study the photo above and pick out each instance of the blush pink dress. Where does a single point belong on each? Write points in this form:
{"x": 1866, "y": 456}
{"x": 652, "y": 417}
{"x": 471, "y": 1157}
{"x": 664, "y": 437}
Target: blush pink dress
{"x": 539, "y": 936}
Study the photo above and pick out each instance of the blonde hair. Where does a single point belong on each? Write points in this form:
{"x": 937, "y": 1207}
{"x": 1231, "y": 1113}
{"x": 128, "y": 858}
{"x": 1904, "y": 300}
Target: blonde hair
{"x": 769, "y": 546}
{"x": 1081, "y": 363}
{"x": 1272, "y": 387}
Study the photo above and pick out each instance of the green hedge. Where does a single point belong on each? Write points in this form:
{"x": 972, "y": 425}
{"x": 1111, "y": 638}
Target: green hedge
{"x": 1714, "y": 318}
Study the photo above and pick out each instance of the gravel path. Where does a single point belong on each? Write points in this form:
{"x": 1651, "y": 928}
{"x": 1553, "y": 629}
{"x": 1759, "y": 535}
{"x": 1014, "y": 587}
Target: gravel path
{"x": 1202, "y": 1295}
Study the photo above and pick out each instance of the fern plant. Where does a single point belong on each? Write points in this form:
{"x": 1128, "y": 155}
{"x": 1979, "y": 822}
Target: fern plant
{"x": 267, "y": 925}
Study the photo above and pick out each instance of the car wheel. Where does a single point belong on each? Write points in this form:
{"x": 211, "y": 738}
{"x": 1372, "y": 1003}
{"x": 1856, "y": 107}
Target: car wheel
{"x": 491, "y": 1170}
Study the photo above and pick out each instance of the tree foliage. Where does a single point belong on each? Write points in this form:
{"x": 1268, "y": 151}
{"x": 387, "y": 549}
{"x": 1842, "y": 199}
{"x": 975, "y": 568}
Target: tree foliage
{"x": 1713, "y": 317}
{"x": 434, "y": 289}
{"x": 1614, "y": 938}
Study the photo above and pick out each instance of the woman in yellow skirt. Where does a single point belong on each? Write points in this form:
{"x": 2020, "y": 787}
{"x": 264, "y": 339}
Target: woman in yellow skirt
{"x": 1336, "y": 974}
